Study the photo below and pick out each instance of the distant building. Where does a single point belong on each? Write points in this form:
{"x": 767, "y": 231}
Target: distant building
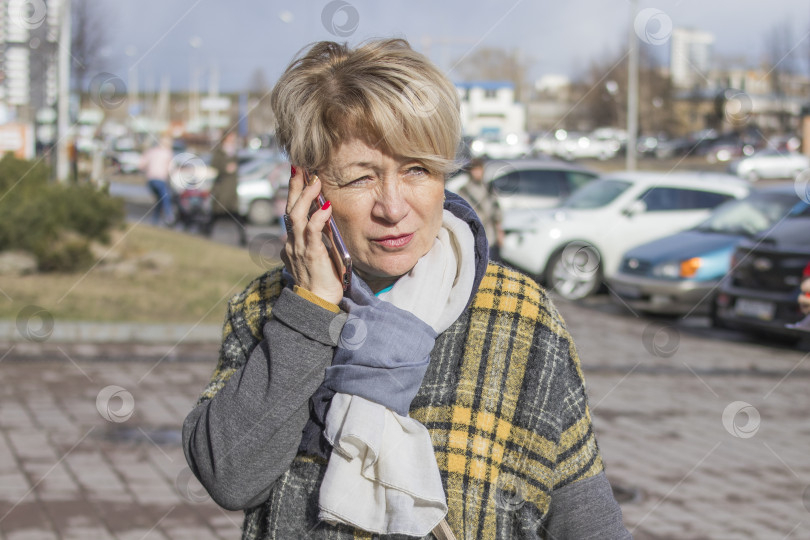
{"x": 489, "y": 108}
{"x": 690, "y": 57}
{"x": 29, "y": 32}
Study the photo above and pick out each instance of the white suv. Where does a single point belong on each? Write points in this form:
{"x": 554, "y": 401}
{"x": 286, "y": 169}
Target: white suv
{"x": 572, "y": 247}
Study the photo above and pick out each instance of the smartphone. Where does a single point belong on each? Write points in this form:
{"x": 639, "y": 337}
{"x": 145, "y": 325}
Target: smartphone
{"x": 331, "y": 237}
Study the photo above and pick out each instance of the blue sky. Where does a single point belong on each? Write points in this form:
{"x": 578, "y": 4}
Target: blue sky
{"x": 172, "y": 37}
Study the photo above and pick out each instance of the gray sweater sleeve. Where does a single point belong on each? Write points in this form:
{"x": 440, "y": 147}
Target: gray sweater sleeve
{"x": 239, "y": 442}
{"x": 585, "y": 509}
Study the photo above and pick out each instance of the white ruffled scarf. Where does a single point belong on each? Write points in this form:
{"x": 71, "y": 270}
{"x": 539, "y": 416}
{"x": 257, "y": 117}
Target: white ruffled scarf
{"x": 382, "y": 474}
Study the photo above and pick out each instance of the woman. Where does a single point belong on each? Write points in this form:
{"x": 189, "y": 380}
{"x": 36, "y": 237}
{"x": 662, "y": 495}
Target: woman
{"x": 440, "y": 393}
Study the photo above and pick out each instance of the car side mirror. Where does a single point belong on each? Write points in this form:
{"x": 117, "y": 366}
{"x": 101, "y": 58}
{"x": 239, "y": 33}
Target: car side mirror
{"x": 637, "y": 207}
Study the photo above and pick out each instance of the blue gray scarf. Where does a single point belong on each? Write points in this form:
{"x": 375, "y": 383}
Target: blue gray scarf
{"x": 380, "y": 326}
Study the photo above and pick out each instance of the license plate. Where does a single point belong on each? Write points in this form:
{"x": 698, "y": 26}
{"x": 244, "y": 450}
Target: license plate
{"x": 627, "y": 291}
{"x": 755, "y": 308}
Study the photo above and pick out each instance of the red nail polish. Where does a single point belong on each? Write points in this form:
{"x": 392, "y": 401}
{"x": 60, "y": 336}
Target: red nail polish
{"x": 326, "y": 205}
{"x": 292, "y": 170}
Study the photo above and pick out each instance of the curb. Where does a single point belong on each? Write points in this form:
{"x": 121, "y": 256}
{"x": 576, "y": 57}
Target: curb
{"x": 117, "y": 333}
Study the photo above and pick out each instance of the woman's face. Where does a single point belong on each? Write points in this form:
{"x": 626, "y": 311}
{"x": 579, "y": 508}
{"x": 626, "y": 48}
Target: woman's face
{"x": 388, "y": 209}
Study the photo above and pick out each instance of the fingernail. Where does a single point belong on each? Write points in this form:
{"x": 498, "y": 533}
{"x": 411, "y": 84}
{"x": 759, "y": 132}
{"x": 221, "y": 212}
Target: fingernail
{"x": 326, "y": 205}
{"x": 292, "y": 170}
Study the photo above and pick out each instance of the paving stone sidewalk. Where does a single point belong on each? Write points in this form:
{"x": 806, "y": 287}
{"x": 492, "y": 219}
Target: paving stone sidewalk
{"x": 702, "y": 439}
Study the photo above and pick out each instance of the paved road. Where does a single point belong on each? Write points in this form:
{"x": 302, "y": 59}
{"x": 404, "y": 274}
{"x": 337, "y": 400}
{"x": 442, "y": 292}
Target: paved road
{"x": 702, "y": 438}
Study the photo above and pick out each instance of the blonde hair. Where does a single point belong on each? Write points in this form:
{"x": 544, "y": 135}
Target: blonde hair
{"x": 383, "y": 93}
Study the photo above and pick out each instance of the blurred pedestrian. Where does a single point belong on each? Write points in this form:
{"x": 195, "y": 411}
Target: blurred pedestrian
{"x": 155, "y": 164}
{"x": 804, "y": 296}
{"x": 485, "y": 204}
{"x": 224, "y": 197}
{"x": 73, "y": 159}
{"x": 804, "y": 303}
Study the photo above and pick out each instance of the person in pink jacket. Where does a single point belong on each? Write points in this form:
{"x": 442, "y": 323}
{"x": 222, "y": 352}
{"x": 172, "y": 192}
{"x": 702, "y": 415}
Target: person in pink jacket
{"x": 155, "y": 164}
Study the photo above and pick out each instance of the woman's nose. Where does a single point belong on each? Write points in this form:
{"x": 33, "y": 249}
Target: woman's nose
{"x": 391, "y": 205}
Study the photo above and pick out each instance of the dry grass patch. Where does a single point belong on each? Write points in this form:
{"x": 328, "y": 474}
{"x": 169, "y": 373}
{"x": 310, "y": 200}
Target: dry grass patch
{"x": 161, "y": 276}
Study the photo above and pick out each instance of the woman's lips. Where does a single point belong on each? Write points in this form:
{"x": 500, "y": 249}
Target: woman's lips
{"x": 394, "y": 241}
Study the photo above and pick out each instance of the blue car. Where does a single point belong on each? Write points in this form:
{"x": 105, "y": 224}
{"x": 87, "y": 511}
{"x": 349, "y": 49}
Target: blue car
{"x": 680, "y": 274}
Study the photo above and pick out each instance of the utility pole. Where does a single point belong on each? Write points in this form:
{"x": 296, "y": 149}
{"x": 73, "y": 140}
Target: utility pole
{"x": 632, "y": 91}
{"x": 63, "y": 122}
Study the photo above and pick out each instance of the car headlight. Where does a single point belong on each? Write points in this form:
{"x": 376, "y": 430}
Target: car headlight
{"x": 668, "y": 270}
{"x": 674, "y": 270}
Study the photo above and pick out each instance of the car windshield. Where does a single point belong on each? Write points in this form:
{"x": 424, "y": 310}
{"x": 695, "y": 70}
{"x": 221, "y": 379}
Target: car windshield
{"x": 596, "y": 194}
{"x": 750, "y": 215}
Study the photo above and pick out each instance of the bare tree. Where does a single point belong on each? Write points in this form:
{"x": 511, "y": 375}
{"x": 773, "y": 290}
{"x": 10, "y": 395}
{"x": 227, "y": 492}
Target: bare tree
{"x": 90, "y": 26}
{"x": 780, "y": 63}
{"x": 260, "y": 115}
{"x": 603, "y": 94}
{"x": 492, "y": 63}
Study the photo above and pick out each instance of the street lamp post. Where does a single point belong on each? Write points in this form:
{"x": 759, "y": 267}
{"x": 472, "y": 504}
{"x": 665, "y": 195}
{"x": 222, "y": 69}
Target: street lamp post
{"x": 63, "y": 121}
{"x": 632, "y": 91}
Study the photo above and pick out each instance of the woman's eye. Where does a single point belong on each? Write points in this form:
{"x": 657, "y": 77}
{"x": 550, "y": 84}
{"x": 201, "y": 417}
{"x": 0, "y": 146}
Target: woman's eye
{"x": 360, "y": 180}
{"x": 416, "y": 170}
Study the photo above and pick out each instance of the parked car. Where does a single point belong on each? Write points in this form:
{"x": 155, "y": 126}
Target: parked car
{"x": 680, "y": 274}
{"x": 573, "y": 246}
{"x": 125, "y": 156}
{"x": 694, "y": 144}
{"x": 258, "y": 182}
{"x": 770, "y": 164}
{"x": 529, "y": 183}
{"x": 760, "y": 292}
{"x": 571, "y": 145}
{"x": 511, "y": 146}
{"x": 721, "y": 152}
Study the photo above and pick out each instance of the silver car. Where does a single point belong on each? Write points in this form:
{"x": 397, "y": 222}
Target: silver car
{"x": 529, "y": 183}
{"x": 770, "y": 164}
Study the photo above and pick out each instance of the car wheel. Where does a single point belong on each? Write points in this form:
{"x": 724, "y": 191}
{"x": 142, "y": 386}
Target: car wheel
{"x": 261, "y": 212}
{"x": 574, "y": 272}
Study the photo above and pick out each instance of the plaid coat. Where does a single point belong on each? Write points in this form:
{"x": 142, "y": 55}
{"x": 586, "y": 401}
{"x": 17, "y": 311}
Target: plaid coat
{"x": 503, "y": 399}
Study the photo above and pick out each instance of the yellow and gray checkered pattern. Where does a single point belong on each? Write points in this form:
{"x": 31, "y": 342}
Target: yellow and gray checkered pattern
{"x": 503, "y": 399}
